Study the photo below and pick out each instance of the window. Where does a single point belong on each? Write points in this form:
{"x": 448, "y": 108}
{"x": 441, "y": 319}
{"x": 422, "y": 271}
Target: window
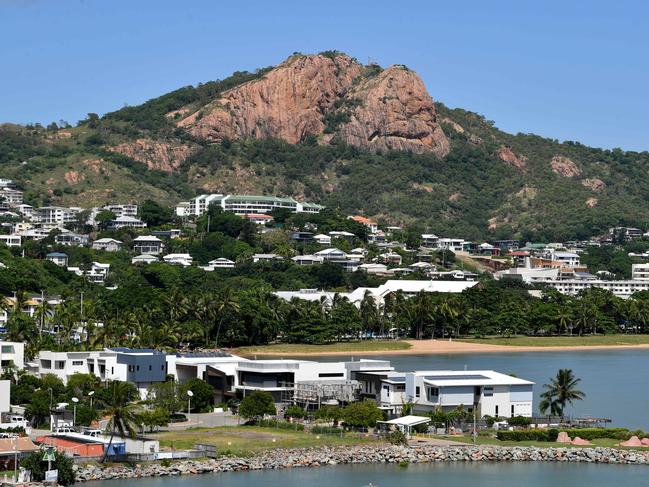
{"x": 7, "y": 349}
{"x": 77, "y": 362}
{"x": 150, "y": 367}
{"x": 131, "y": 368}
{"x": 433, "y": 392}
{"x": 496, "y": 411}
{"x": 488, "y": 391}
{"x": 332, "y": 374}
{"x": 417, "y": 391}
{"x": 138, "y": 367}
{"x": 512, "y": 410}
{"x": 387, "y": 390}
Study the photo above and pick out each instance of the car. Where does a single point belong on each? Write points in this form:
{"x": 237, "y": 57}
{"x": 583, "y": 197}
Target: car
{"x": 62, "y": 430}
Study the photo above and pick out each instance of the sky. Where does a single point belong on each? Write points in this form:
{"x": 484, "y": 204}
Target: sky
{"x": 568, "y": 70}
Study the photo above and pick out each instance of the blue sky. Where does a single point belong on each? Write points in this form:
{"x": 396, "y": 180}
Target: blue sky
{"x": 571, "y": 70}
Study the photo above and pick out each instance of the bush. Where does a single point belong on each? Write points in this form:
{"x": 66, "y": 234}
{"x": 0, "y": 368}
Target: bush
{"x": 34, "y": 462}
{"x": 528, "y": 435}
{"x": 397, "y": 438}
{"x": 257, "y": 405}
{"x": 295, "y": 411}
{"x": 326, "y": 430}
{"x": 362, "y": 414}
{"x": 283, "y": 425}
{"x": 594, "y": 433}
{"x": 519, "y": 421}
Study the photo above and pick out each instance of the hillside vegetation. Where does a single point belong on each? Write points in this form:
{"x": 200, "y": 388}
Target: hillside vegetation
{"x": 489, "y": 184}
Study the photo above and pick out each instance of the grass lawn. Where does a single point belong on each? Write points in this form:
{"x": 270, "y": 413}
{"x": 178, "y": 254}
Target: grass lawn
{"x": 247, "y": 440}
{"x": 297, "y": 349}
{"x": 563, "y": 341}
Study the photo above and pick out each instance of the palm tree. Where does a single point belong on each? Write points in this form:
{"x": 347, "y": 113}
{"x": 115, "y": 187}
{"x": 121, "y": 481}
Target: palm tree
{"x": 561, "y": 391}
{"x": 121, "y": 413}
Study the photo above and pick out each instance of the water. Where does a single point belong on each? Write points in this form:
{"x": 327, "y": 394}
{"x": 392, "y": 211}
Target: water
{"x": 446, "y": 474}
{"x": 615, "y": 381}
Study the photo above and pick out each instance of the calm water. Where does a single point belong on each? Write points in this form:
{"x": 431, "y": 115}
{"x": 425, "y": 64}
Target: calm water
{"x": 616, "y": 382}
{"x": 446, "y": 474}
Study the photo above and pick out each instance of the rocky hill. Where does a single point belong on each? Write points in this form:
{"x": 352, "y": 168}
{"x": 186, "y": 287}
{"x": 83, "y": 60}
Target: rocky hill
{"x": 327, "y": 128}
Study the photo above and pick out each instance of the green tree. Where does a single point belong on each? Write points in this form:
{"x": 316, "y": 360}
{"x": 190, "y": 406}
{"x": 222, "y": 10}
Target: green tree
{"x": 362, "y": 414}
{"x": 103, "y": 219}
{"x": 154, "y": 214}
{"x": 37, "y": 466}
{"x": 257, "y": 405}
{"x": 561, "y": 391}
{"x": 121, "y": 413}
{"x": 203, "y": 394}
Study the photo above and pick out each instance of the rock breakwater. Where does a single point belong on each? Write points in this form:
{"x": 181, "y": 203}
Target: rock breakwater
{"x": 316, "y": 457}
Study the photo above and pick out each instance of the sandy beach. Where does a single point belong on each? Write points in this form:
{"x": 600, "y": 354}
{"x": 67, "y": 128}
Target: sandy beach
{"x": 423, "y": 347}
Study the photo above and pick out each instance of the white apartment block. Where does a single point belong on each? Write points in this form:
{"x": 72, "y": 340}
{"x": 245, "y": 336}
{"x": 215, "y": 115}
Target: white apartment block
{"x": 640, "y": 272}
{"x": 56, "y": 215}
{"x": 243, "y": 204}
{"x": 122, "y": 210}
{"x": 622, "y": 289}
{"x": 12, "y": 197}
{"x": 12, "y": 354}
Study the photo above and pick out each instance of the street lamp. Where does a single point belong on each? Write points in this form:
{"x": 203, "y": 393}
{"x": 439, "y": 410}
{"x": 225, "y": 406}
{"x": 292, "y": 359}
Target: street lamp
{"x": 90, "y": 394}
{"x": 75, "y": 400}
{"x": 190, "y": 394}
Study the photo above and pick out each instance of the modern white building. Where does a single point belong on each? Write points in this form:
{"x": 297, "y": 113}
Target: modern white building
{"x": 122, "y": 210}
{"x": 244, "y": 204}
{"x": 141, "y": 367}
{"x": 407, "y": 287}
{"x": 487, "y": 392}
{"x": 56, "y": 215}
{"x": 12, "y": 354}
{"x": 144, "y": 259}
{"x": 622, "y": 289}
{"x": 71, "y": 239}
{"x": 220, "y": 263}
{"x": 640, "y": 272}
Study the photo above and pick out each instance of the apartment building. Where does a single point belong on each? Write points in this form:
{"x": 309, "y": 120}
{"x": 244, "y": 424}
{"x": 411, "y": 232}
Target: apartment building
{"x": 244, "y": 204}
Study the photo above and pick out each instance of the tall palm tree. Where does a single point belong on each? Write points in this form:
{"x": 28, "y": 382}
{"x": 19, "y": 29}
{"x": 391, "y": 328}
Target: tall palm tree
{"x": 561, "y": 391}
{"x": 227, "y": 303}
{"x": 122, "y": 415}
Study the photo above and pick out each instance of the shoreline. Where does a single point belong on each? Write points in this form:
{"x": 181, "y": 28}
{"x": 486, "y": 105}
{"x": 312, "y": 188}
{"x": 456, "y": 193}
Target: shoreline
{"x": 432, "y": 347}
{"x": 329, "y": 456}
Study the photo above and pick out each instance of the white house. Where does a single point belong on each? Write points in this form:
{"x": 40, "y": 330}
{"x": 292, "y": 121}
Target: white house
{"x": 147, "y": 244}
{"x": 322, "y": 239}
{"x": 487, "y": 392}
{"x": 97, "y": 273}
{"x": 107, "y": 244}
{"x": 11, "y": 240}
{"x": 12, "y": 354}
{"x": 307, "y": 259}
{"x": 429, "y": 240}
{"x": 71, "y": 239}
{"x": 178, "y": 259}
{"x": 266, "y": 257}
{"x": 378, "y": 269}
{"x": 127, "y": 222}
{"x": 144, "y": 259}
{"x": 221, "y": 263}
{"x": 58, "y": 258}
{"x": 141, "y": 367}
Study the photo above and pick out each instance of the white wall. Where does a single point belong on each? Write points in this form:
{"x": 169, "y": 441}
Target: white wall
{"x": 5, "y": 388}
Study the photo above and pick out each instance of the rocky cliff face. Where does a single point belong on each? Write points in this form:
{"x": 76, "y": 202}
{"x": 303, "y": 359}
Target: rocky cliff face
{"x": 163, "y": 156}
{"x": 327, "y": 96}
